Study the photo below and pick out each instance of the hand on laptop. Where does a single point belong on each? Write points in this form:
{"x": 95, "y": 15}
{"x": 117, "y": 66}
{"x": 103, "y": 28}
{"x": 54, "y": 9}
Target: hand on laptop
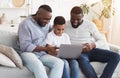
{"x": 54, "y": 53}
{"x": 52, "y": 50}
{"x": 88, "y": 46}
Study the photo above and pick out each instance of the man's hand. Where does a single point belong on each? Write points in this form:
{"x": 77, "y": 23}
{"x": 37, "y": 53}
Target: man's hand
{"x": 88, "y": 46}
{"x": 52, "y": 51}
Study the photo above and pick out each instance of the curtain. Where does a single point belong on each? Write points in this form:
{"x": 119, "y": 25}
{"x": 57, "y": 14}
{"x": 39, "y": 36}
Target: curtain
{"x": 114, "y": 37}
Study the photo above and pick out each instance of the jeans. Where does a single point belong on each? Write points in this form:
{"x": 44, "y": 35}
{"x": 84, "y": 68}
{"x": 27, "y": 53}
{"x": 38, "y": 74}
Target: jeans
{"x": 71, "y": 69}
{"x": 99, "y": 55}
{"x": 36, "y": 65}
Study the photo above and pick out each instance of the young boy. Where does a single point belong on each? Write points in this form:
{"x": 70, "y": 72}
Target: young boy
{"x": 57, "y": 37}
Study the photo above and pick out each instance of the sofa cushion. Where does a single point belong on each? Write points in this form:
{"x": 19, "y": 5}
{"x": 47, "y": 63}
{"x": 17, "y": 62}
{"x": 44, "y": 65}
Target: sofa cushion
{"x": 12, "y": 54}
{"x": 8, "y": 38}
{"x": 7, "y": 72}
{"x": 98, "y": 66}
{"x": 5, "y": 61}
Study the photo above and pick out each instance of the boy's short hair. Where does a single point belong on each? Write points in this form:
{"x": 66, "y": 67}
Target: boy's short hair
{"x": 59, "y": 20}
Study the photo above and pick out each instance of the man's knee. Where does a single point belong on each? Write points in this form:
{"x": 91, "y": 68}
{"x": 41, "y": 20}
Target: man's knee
{"x": 83, "y": 58}
{"x": 26, "y": 58}
{"x": 116, "y": 57}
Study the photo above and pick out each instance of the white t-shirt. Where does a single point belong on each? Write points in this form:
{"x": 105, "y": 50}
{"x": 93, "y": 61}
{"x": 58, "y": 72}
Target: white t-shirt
{"x": 54, "y": 40}
{"x": 87, "y": 32}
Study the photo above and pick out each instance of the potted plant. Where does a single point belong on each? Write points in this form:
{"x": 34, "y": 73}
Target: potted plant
{"x": 105, "y": 12}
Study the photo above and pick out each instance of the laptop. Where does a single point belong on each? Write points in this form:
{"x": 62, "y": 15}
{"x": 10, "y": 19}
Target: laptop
{"x": 69, "y": 51}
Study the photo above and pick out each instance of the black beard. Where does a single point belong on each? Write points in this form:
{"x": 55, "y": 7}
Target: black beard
{"x": 76, "y": 26}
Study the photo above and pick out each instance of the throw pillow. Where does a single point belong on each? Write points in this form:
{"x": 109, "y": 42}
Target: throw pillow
{"x": 12, "y": 54}
{"x": 5, "y": 61}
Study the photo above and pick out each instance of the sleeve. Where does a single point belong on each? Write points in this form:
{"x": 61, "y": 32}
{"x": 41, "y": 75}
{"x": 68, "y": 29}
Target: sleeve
{"x": 48, "y": 39}
{"x": 100, "y": 40}
{"x": 25, "y": 38}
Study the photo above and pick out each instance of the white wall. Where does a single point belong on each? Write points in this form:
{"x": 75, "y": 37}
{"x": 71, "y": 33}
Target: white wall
{"x": 59, "y": 7}
{"x": 115, "y": 27}
{"x": 11, "y": 12}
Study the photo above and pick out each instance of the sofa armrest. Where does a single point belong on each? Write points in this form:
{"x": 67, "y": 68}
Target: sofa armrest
{"x": 114, "y": 47}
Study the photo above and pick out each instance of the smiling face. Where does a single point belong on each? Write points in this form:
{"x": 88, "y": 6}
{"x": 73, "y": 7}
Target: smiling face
{"x": 76, "y": 19}
{"x": 76, "y": 16}
{"x": 43, "y": 17}
{"x": 59, "y": 29}
{"x": 59, "y": 25}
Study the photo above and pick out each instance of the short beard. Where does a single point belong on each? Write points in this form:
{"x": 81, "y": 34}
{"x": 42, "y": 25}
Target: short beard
{"x": 76, "y": 26}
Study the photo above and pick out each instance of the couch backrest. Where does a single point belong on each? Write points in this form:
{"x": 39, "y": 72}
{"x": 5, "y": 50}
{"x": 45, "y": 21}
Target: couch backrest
{"x": 8, "y": 38}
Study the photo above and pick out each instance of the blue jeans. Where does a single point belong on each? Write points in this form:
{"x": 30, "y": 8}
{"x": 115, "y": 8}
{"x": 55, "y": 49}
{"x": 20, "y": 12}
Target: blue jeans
{"x": 36, "y": 65}
{"x": 71, "y": 69}
{"x": 99, "y": 55}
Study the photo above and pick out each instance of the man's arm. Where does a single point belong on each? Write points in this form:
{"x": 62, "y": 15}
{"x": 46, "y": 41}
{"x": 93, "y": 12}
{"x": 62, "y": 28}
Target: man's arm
{"x": 100, "y": 41}
{"x": 25, "y": 38}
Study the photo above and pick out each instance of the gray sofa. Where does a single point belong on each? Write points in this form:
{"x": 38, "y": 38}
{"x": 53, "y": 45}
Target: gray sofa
{"x": 9, "y": 39}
